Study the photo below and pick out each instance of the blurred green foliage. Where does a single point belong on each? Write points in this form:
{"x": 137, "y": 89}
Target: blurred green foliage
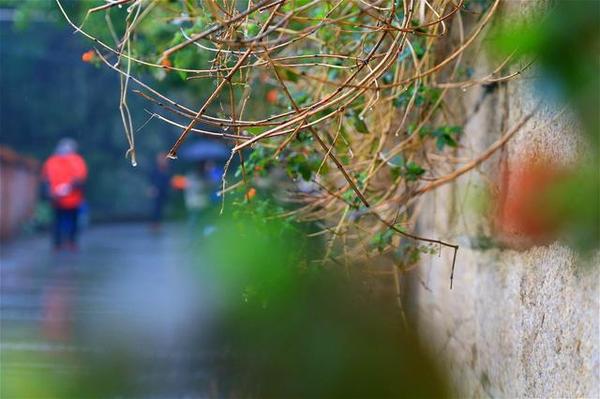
{"x": 409, "y": 170}
{"x": 295, "y": 329}
{"x": 273, "y": 324}
{"x": 576, "y": 201}
{"x": 564, "y": 42}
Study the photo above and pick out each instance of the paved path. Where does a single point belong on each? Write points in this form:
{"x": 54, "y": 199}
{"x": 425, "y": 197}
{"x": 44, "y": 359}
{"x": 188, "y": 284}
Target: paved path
{"x": 128, "y": 290}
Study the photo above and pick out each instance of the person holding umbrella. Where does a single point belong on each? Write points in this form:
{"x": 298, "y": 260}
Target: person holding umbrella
{"x": 202, "y": 181}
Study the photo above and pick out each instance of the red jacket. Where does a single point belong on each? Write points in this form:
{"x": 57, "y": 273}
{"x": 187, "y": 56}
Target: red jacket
{"x": 65, "y": 175}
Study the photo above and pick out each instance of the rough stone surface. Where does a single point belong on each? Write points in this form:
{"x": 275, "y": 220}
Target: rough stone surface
{"x": 517, "y": 323}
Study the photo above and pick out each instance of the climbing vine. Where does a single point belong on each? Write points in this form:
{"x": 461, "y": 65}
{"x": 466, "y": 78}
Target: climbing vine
{"x": 349, "y": 97}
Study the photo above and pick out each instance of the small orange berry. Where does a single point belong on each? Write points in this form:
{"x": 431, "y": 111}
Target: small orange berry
{"x": 178, "y": 182}
{"x": 251, "y": 193}
{"x": 166, "y": 63}
{"x": 88, "y": 56}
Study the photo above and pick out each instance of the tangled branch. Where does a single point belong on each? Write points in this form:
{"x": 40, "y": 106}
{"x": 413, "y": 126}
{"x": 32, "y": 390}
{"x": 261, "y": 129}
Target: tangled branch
{"x": 348, "y": 95}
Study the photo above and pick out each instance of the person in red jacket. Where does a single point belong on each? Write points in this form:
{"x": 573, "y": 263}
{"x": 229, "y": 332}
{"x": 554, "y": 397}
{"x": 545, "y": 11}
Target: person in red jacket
{"x": 64, "y": 173}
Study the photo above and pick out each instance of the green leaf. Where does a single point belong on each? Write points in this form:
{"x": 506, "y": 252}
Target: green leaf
{"x": 382, "y": 239}
{"x": 445, "y": 136}
{"x": 300, "y": 165}
{"x": 301, "y": 98}
{"x": 252, "y": 30}
{"x": 287, "y": 74}
{"x": 360, "y": 124}
{"x": 184, "y": 59}
{"x": 413, "y": 171}
{"x": 256, "y": 130}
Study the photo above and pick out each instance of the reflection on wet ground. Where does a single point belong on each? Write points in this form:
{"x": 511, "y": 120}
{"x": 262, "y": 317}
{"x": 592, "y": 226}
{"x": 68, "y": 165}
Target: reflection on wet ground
{"x": 236, "y": 314}
{"x": 129, "y": 302}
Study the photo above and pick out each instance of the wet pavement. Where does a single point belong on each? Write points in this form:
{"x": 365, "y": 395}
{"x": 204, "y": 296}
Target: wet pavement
{"x": 129, "y": 292}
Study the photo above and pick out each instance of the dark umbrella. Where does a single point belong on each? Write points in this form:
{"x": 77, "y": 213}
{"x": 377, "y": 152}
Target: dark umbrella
{"x": 204, "y": 150}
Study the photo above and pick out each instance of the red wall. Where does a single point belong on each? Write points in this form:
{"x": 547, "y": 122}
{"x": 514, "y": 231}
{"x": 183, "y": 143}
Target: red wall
{"x": 19, "y": 178}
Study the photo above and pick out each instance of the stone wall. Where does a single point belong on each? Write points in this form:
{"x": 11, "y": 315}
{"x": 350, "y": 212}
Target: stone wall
{"x": 518, "y": 323}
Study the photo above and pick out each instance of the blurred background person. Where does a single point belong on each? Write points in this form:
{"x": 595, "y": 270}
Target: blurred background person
{"x": 64, "y": 174}
{"x": 195, "y": 195}
{"x": 203, "y": 181}
{"x": 213, "y": 174}
{"x": 159, "y": 188}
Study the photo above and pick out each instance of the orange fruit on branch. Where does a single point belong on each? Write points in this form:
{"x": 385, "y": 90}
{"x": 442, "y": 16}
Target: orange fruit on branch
{"x": 88, "y": 56}
{"x": 178, "y": 182}
{"x": 251, "y": 193}
{"x": 166, "y": 63}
